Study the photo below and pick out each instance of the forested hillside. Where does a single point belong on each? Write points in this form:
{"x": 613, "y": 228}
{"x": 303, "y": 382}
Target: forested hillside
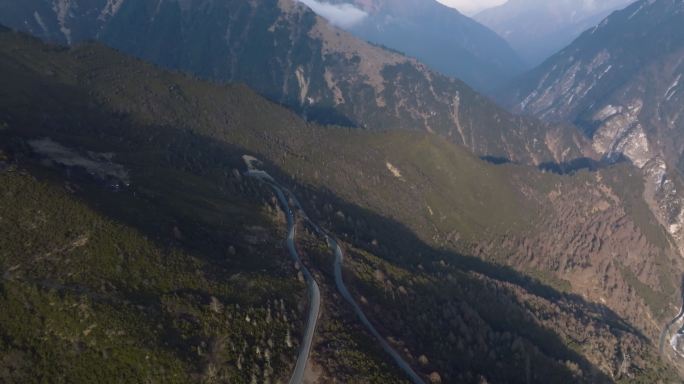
{"x": 460, "y": 263}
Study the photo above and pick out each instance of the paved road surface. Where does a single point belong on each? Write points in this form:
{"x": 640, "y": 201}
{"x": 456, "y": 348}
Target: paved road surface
{"x": 314, "y": 292}
{"x": 403, "y": 365}
{"x": 342, "y": 288}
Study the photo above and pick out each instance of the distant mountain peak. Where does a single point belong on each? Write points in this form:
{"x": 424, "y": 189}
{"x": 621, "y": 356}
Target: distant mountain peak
{"x": 439, "y": 36}
{"x": 539, "y": 28}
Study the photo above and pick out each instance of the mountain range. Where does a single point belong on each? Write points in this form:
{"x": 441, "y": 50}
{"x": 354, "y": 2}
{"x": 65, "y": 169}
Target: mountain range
{"x": 287, "y": 53}
{"x": 482, "y": 246}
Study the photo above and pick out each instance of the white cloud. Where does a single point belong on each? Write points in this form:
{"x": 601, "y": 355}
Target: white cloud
{"x": 341, "y": 15}
{"x": 471, "y": 7}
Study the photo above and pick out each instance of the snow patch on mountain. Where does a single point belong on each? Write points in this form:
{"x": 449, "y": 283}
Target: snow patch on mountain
{"x": 110, "y": 9}
{"x": 63, "y": 9}
{"x": 39, "y": 21}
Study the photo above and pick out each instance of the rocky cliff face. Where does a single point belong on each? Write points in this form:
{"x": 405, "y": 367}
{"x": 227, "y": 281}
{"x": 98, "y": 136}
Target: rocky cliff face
{"x": 286, "y": 52}
{"x": 620, "y": 82}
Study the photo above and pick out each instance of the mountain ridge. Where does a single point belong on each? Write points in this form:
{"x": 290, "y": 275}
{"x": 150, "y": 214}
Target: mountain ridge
{"x": 440, "y": 37}
{"x": 284, "y": 51}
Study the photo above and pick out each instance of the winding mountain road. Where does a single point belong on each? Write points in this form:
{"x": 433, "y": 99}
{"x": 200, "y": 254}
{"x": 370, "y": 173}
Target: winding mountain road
{"x": 314, "y": 291}
{"x": 342, "y": 288}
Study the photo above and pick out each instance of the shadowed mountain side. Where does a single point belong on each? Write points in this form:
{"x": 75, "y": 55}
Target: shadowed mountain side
{"x": 580, "y": 164}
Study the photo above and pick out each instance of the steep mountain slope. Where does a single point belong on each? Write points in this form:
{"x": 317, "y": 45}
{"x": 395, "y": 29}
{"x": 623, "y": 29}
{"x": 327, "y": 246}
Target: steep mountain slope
{"x": 89, "y": 299}
{"x": 537, "y": 28}
{"x": 440, "y": 37}
{"x": 621, "y": 83}
{"x": 284, "y": 51}
{"x": 427, "y": 227}
{"x": 117, "y": 261}
{"x": 134, "y": 250}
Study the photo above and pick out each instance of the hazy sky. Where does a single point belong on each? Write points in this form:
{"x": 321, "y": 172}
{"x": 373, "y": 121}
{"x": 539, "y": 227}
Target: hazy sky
{"x": 471, "y": 7}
